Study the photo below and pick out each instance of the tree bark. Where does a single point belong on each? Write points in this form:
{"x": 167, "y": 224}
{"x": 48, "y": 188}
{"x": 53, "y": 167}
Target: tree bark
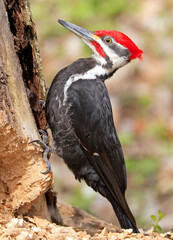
{"x": 22, "y": 185}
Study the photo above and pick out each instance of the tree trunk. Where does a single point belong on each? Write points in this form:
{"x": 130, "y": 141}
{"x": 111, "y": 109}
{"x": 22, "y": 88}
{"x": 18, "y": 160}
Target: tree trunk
{"x": 22, "y": 185}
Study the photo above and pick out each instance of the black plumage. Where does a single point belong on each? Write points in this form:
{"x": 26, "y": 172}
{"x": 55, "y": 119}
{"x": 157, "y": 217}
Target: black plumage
{"x": 85, "y": 136}
{"x": 79, "y": 113}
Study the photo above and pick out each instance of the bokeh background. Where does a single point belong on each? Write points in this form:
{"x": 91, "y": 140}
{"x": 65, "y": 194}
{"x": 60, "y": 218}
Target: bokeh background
{"x": 141, "y": 95}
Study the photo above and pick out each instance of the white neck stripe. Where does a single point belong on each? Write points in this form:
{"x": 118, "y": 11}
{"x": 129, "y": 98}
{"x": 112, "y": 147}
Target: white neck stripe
{"x": 89, "y": 75}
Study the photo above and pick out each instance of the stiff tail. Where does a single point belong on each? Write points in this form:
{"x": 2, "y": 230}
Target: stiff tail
{"x": 113, "y": 193}
{"x": 123, "y": 219}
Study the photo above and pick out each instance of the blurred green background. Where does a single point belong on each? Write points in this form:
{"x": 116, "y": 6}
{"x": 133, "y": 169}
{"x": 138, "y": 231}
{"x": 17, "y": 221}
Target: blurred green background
{"x": 141, "y": 95}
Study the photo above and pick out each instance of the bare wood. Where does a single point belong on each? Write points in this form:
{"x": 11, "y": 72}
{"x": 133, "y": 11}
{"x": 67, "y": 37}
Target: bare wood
{"x": 21, "y": 183}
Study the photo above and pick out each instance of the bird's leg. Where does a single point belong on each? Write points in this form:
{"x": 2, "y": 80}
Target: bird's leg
{"x": 46, "y": 149}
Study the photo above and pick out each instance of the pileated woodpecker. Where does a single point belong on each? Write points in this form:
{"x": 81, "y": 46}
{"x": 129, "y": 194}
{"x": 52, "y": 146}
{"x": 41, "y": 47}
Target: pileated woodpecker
{"x": 79, "y": 114}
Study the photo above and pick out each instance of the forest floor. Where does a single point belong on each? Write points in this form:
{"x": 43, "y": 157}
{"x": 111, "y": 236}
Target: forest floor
{"x": 82, "y": 227}
{"x": 36, "y": 228}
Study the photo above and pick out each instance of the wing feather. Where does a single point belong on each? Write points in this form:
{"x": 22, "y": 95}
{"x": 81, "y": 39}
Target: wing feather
{"x": 109, "y": 178}
{"x": 91, "y": 117}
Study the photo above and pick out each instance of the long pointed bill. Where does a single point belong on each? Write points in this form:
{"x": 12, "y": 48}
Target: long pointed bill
{"x": 79, "y": 31}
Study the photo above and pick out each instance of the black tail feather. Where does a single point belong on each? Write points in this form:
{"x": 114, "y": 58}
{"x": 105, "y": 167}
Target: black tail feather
{"x": 113, "y": 193}
{"x": 122, "y": 218}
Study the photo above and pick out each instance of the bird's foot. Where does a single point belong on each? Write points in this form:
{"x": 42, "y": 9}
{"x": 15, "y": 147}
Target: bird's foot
{"x": 42, "y": 102}
{"x": 46, "y": 149}
{"x": 39, "y": 105}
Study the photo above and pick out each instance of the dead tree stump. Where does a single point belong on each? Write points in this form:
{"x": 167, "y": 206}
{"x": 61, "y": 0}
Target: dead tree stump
{"x": 22, "y": 185}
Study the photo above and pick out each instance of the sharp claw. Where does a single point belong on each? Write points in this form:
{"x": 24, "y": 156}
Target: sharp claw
{"x": 42, "y": 102}
{"x": 46, "y": 150}
{"x": 38, "y": 104}
{"x": 41, "y": 143}
{"x": 42, "y": 132}
{"x": 33, "y": 141}
{"x": 48, "y": 169}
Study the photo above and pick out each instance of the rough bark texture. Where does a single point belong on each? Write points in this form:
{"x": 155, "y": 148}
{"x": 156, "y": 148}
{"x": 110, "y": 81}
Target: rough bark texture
{"x": 21, "y": 182}
{"x": 26, "y": 48}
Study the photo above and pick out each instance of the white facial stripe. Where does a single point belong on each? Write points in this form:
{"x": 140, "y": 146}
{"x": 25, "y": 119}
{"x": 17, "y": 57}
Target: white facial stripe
{"x": 96, "y": 55}
{"x": 101, "y": 60}
{"x": 90, "y": 75}
{"x": 115, "y": 58}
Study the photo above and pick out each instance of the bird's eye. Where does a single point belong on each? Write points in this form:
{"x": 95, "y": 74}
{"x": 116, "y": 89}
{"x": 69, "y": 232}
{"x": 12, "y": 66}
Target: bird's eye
{"x": 108, "y": 40}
